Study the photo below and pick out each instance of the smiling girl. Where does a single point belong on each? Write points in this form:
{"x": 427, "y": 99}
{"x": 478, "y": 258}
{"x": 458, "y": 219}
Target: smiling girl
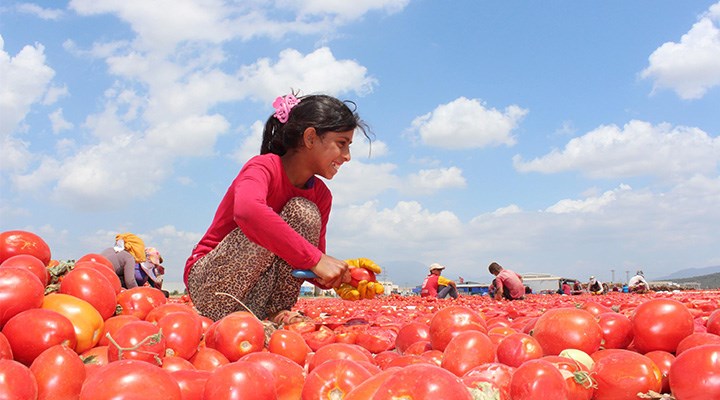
{"x": 273, "y": 217}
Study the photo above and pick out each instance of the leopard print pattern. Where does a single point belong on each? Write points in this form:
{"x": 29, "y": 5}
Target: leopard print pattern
{"x": 238, "y": 270}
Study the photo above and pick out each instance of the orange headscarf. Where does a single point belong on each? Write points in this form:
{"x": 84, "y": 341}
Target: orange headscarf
{"x": 133, "y": 245}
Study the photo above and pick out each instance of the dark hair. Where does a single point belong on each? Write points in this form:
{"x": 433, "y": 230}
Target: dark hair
{"x": 494, "y": 268}
{"x": 322, "y": 112}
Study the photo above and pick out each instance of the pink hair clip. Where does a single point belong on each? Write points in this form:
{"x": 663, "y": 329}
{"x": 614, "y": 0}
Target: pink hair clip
{"x": 283, "y": 105}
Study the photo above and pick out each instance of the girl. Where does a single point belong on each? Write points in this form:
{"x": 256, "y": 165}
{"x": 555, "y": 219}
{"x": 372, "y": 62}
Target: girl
{"x": 274, "y": 216}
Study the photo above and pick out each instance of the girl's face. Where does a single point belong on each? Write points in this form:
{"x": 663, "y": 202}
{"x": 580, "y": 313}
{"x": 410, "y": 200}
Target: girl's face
{"x": 330, "y": 152}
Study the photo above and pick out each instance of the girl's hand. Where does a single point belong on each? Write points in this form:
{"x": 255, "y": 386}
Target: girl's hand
{"x": 331, "y": 271}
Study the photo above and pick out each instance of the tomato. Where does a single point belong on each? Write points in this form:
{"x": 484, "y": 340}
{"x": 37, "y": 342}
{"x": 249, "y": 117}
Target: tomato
{"x": 91, "y": 286}
{"x": 138, "y": 340}
{"x": 409, "y": 359}
{"x": 616, "y": 330}
{"x": 139, "y": 301}
{"x": 695, "y": 374}
{"x": 301, "y": 327}
{"x": 361, "y": 274}
{"x": 660, "y": 324}
{"x": 319, "y": 338}
{"x": 696, "y": 339}
{"x": 130, "y": 379}
{"x": 32, "y": 263}
{"x": 418, "y": 347}
{"x": 98, "y": 258}
{"x": 567, "y": 328}
{"x": 240, "y": 380}
{"x": 517, "y": 348}
{"x": 33, "y": 331}
{"x": 208, "y": 359}
{"x": 111, "y": 326}
{"x": 663, "y": 360}
{"x": 536, "y": 379}
{"x": 422, "y": 381}
{"x": 368, "y": 388}
{"x": 110, "y": 275}
{"x": 17, "y": 381}
{"x": 162, "y": 310}
{"x": 713, "y": 322}
{"x": 5, "y": 349}
{"x": 191, "y": 383}
{"x": 334, "y": 379}
{"x": 467, "y": 350}
{"x": 86, "y": 320}
{"x": 20, "y": 290}
{"x": 237, "y": 334}
{"x": 289, "y": 344}
{"x": 94, "y": 359}
{"x": 23, "y": 242}
{"x": 621, "y": 374}
{"x": 174, "y": 363}
{"x": 450, "y": 321}
{"x": 182, "y": 332}
{"x": 287, "y": 375}
{"x": 59, "y": 373}
{"x": 376, "y": 339}
{"x": 496, "y": 374}
{"x": 410, "y": 333}
{"x": 336, "y": 351}
{"x": 595, "y": 308}
{"x": 578, "y": 380}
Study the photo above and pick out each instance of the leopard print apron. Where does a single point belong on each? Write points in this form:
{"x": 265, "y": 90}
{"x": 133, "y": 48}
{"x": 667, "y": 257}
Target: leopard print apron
{"x": 249, "y": 272}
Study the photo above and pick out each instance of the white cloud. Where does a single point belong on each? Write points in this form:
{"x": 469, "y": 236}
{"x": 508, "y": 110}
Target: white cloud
{"x": 15, "y": 155}
{"x": 428, "y": 181}
{"x": 691, "y": 67}
{"x": 467, "y": 123}
{"x": 58, "y": 122}
{"x": 54, "y": 93}
{"x": 43, "y": 13}
{"x": 590, "y": 205}
{"x": 637, "y": 149}
{"x": 358, "y": 181}
{"x": 346, "y": 10}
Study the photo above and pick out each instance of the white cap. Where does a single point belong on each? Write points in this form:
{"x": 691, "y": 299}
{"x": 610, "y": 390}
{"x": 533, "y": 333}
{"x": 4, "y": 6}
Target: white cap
{"x": 436, "y": 266}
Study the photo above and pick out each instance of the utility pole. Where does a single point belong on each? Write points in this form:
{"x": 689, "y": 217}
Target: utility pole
{"x": 613, "y": 275}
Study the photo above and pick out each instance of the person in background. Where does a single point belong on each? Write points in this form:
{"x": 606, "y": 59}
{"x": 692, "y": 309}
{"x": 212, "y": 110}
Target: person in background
{"x": 638, "y": 284}
{"x": 595, "y": 286}
{"x": 436, "y": 285}
{"x": 126, "y": 256}
{"x": 566, "y": 288}
{"x": 152, "y": 268}
{"x": 509, "y": 283}
{"x": 273, "y": 217}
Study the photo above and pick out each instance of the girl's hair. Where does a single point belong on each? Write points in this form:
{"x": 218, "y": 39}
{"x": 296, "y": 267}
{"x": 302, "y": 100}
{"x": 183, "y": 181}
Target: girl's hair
{"x": 322, "y": 112}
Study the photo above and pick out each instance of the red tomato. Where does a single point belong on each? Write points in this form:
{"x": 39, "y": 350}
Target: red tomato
{"x": 361, "y": 274}
{"x": 450, "y": 321}
{"x": 616, "y": 329}
{"x": 695, "y": 374}
{"x": 17, "y": 381}
{"x": 139, "y": 301}
{"x": 238, "y": 334}
{"x": 410, "y": 333}
{"x": 59, "y": 372}
{"x": 537, "y": 379}
{"x": 130, "y": 379}
{"x": 94, "y": 359}
{"x": 368, "y": 388}
{"x": 110, "y": 275}
{"x": 578, "y": 380}
{"x": 91, "y": 286}
{"x": 240, "y": 380}
{"x": 33, "y": 331}
{"x": 660, "y": 324}
{"x": 5, "y": 349}
{"x": 86, "y": 320}
{"x": 182, "y": 332}
{"x": 517, "y": 348}
{"x": 191, "y": 383}
{"x": 319, "y": 338}
{"x": 32, "y": 263}
{"x": 422, "y": 381}
{"x": 138, "y": 340}
{"x": 337, "y": 351}
{"x": 287, "y": 375}
{"x": 663, "y": 360}
{"x": 409, "y": 359}
{"x": 466, "y": 351}
{"x": 23, "y": 242}
{"x": 20, "y": 290}
{"x": 622, "y": 374}
{"x": 174, "y": 363}
{"x": 696, "y": 339}
{"x": 496, "y": 374}
{"x": 289, "y": 344}
{"x": 567, "y": 328}
{"x": 376, "y": 339}
{"x": 160, "y": 311}
{"x": 418, "y": 347}
{"x": 713, "y": 322}
{"x": 334, "y": 379}
{"x": 111, "y": 326}
{"x": 208, "y": 359}
{"x": 595, "y": 308}
{"x": 98, "y": 258}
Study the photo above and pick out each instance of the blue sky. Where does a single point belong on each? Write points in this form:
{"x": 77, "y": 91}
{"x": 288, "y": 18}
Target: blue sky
{"x": 565, "y": 137}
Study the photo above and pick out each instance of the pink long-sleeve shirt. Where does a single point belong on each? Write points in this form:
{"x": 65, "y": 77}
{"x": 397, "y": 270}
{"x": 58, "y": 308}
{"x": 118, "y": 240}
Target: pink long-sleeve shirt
{"x": 253, "y": 203}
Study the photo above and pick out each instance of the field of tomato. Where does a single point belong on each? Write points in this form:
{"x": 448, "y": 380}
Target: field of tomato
{"x": 69, "y": 331}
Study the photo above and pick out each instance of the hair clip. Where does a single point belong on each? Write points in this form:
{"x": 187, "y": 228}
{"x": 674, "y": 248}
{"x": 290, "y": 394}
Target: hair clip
{"x": 283, "y": 105}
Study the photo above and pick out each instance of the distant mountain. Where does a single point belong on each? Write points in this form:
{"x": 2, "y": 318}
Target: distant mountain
{"x": 689, "y": 273}
{"x": 710, "y": 281}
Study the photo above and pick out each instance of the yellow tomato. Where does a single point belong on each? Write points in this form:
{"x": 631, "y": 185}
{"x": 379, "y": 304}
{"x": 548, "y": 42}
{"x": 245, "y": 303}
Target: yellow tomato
{"x": 86, "y": 320}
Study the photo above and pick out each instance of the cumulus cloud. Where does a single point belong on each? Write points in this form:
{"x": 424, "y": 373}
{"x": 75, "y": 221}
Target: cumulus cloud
{"x": 468, "y": 123}
{"x": 692, "y": 66}
{"x": 433, "y": 180}
{"x": 636, "y": 149}
{"x": 40, "y": 12}
{"x": 589, "y": 205}
{"x": 346, "y": 10}
{"x": 58, "y": 122}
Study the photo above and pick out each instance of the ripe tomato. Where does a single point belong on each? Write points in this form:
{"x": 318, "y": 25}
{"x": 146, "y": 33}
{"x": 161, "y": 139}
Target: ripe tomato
{"x": 160, "y": 311}
{"x": 409, "y": 359}
{"x": 32, "y": 263}
{"x": 622, "y": 374}
{"x": 467, "y": 350}
{"x": 94, "y": 359}
{"x": 695, "y": 374}
{"x": 713, "y": 322}
{"x": 334, "y": 379}
{"x": 289, "y": 344}
{"x": 696, "y": 339}
{"x": 191, "y": 382}
{"x": 578, "y": 380}
{"x": 17, "y": 381}
{"x": 91, "y": 286}
{"x": 663, "y": 360}
{"x": 237, "y": 334}
{"x": 361, "y": 274}
{"x": 23, "y": 242}
{"x": 139, "y": 301}
{"x": 59, "y": 372}
{"x": 383, "y": 359}
{"x": 5, "y": 349}
{"x": 127, "y": 379}
{"x": 410, "y": 333}
{"x": 496, "y": 374}
{"x": 536, "y": 379}
{"x": 660, "y": 324}
{"x": 110, "y": 275}
{"x": 20, "y": 290}
{"x": 376, "y": 339}
{"x": 422, "y": 381}
{"x": 450, "y": 321}
{"x": 138, "y": 340}
{"x": 182, "y": 332}
{"x": 111, "y": 326}
{"x": 517, "y": 348}
{"x": 319, "y": 338}
{"x": 33, "y": 331}
{"x": 86, "y": 320}
{"x": 173, "y": 363}
{"x": 336, "y": 351}
{"x": 98, "y": 258}
{"x": 240, "y": 380}
{"x": 418, "y": 347}
{"x": 287, "y": 375}
{"x": 616, "y": 329}
{"x": 567, "y": 328}
{"x": 368, "y": 388}
{"x": 208, "y": 359}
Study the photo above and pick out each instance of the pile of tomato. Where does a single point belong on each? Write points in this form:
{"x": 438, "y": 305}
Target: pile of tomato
{"x": 69, "y": 331}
